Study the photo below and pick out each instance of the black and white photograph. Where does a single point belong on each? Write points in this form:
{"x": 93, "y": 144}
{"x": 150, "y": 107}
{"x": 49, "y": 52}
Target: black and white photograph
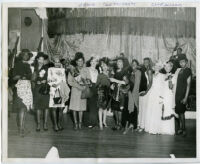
{"x": 100, "y": 82}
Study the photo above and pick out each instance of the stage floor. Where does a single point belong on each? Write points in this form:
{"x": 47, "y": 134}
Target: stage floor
{"x": 93, "y": 143}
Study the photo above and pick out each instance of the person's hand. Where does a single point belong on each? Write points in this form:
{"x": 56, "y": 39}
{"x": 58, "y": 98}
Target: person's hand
{"x": 170, "y": 85}
{"x": 38, "y": 82}
{"x": 111, "y": 79}
{"x": 17, "y": 77}
{"x": 112, "y": 87}
{"x": 54, "y": 85}
{"x": 184, "y": 101}
{"x": 142, "y": 93}
{"x": 43, "y": 81}
{"x": 119, "y": 85}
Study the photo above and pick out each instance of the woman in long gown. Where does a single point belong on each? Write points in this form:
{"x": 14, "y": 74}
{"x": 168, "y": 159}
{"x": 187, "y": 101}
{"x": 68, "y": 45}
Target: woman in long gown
{"x": 154, "y": 106}
{"x": 90, "y": 117}
{"x": 168, "y": 110}
{"x": 143, "y": 95}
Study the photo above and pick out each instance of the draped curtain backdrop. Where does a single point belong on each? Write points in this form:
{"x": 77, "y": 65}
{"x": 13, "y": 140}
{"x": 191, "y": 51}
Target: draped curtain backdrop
{"x": 138, "y": 32}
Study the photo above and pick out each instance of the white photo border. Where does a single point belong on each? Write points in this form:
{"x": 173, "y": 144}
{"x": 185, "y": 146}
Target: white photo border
{"x": 88, "y": 4}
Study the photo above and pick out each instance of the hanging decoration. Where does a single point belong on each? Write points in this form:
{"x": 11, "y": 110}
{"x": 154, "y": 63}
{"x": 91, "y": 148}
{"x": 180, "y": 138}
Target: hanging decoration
{"x": 172, "y": 22}
{"x": 107, "y": 32}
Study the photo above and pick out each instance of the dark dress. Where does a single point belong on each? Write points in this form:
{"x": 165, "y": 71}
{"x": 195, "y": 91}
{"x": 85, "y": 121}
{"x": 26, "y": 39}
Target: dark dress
{"x": 181, "y": 89}
{"x": 103, "y": 89}
{"x": 91, "y": 115}
{"x": 22, "y": 69}
{"x": 130, "y": 117}
{"x": 41, "y": 102}
{"x": 115, "y": 104}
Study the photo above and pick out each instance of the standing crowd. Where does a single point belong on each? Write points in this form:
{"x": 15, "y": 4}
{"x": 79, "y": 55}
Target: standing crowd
{"x": 143, "y": 97}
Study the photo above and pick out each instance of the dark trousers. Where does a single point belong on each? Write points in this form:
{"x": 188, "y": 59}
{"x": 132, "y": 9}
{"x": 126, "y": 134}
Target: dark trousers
{"x": 135, "y": 117}
{"x": 131, "y": 118}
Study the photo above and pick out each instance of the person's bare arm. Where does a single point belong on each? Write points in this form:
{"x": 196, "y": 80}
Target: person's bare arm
{"x": 187, "y": 90}
{"x": 17, "y": 77}
{"x": 113, "y": 80}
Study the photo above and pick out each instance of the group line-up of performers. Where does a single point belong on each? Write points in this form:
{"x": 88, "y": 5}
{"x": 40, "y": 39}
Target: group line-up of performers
{"x": 142, "y": 97}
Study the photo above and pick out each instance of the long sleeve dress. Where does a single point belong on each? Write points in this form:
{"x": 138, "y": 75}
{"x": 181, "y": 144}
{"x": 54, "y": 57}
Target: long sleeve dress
{"x": 153, "y": 112}
{"x": 90, "y": 117}
{"x": 76, "y": 103}
{"x": 41, "y": 101}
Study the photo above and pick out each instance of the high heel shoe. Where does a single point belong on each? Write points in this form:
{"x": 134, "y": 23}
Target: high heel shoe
{"x": 60, "y": 128}
{"x": 184, "y": 134}
{"x": 55, "y": 129}
{"x": 140, "y": 130}
{"x": 38, "y": 128}
{"x": 21, "y": 132}
{"x": 129, "y": 128}
{"x": 101, "y": 127}
{"x": 80, "y": 125}
{"x": 119, "y": 127}
{"x": 45, "y": 128}
{"x": 114, "y": 128}
{"x": 105, "y": 125}
{"x": 180, "y": 132}
{"x": 75, "y": 126}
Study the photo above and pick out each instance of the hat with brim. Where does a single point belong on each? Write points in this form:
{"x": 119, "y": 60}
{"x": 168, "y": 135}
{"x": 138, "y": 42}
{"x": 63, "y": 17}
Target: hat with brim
{"x": 40, "y": 54}
{"x": 182, "y": 57}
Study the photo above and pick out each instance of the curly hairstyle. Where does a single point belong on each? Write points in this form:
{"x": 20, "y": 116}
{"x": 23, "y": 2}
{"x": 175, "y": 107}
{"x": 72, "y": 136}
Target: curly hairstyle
{"x": 78, "y": 55}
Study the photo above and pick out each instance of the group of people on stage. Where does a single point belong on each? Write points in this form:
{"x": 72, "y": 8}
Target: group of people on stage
{"x": 141, "y": 96}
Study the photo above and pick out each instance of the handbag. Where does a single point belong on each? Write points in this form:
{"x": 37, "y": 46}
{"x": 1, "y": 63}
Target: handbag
{"x": 44, "y": 89}
{"x": 86, "y": 93}
{"x": 57, "y": 100}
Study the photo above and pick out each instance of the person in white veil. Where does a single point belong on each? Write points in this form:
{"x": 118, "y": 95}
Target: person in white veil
{"x": 168, "y": 95}
{"x": 153, "y": 105}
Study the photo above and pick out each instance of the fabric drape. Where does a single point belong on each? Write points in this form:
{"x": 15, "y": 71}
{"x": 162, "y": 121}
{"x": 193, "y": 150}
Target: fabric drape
{"x": 133, "y": 46}
{"x": 153, "y": 34}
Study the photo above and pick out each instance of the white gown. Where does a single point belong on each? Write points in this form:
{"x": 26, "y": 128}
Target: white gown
{"x": 154, "y": 106}
{"x": 168, "y": 123}
{"x": 142, "y": 108}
